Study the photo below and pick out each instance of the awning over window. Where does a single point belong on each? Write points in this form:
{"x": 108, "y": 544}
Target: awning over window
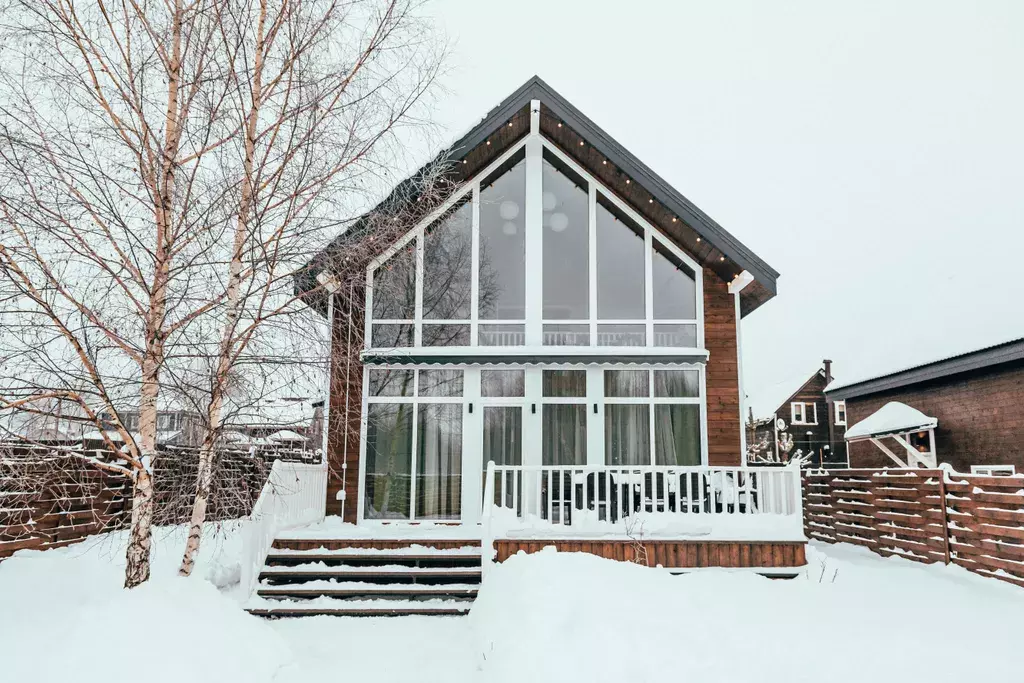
{"x": 527, "y": 355}
{"x": 892, "y": 418}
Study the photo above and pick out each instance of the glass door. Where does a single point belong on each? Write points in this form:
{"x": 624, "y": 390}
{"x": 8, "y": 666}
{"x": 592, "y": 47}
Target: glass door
{"x": 503, "y": 405}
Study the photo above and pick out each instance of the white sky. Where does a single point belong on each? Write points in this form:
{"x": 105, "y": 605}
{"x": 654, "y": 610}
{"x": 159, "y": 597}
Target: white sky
{"x": 871, "y": 152}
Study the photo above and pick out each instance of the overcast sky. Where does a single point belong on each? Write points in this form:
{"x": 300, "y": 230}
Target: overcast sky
{"x": 871, "y": 152}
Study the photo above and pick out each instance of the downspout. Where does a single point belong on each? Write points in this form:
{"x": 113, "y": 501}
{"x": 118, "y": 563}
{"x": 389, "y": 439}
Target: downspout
{"x": 735, "y": 287}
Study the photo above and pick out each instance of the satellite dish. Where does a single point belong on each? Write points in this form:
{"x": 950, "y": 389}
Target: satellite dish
{"x": 781, "y": 424}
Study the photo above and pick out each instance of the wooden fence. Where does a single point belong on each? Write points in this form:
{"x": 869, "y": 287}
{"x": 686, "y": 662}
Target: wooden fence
{"x": 925, "y": 515}
{"x": 51, "y": 498}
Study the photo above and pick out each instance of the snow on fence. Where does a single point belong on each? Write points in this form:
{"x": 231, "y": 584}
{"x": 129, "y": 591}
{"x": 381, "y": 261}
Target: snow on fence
{"x": 925, "y": 515}
{"x": 50, "y": 497}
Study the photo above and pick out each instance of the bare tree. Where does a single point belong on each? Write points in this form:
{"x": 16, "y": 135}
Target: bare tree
{"x": 319, "y": 91}
{"x": 110, "y": 123}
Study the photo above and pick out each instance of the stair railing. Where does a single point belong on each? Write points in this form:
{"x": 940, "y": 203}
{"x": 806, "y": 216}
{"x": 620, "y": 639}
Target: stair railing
{"x": 486, "y": 531}
{"x": 295, "y": 495}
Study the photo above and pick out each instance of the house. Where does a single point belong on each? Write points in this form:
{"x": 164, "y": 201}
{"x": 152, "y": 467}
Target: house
{"x": 963, "y": 410}
{"x": 794, "y": 417}
{"x": 549, "y": 357}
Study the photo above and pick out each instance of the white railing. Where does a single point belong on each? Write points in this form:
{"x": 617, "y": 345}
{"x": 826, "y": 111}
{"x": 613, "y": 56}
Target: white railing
{"x": 486, "y": 521}
{"x": 295, "y": 495}
{"x": 576, "y": 496}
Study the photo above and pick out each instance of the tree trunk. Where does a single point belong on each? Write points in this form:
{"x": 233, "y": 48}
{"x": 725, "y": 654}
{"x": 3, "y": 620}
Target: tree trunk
{"x": 225, "y": 360}
{"x": 137, "y": 570}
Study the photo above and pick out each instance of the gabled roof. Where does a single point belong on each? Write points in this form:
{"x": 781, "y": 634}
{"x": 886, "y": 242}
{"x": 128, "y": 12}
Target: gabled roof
{"x": 769, "y": 399}
{"x": 1007, "y": 352}
{"x": 635, "y": 183}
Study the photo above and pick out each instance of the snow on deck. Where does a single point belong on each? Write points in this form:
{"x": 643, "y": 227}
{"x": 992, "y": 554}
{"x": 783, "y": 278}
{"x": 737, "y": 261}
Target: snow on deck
{"x": 650, "y": 526}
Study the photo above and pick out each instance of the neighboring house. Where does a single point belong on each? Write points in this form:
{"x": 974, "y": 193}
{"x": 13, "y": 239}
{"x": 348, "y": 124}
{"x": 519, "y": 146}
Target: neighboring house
{"x": 549, "y": 353}
{"x": 964, "y": 410}
{"x": 796, "y": 414}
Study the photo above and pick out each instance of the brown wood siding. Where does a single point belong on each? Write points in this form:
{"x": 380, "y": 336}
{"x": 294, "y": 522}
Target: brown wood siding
{"x": 723, "y": 387}
{"x": 980, "y": 414}
{"x": 681, "y": 554}
{"x": 343, "y": 437}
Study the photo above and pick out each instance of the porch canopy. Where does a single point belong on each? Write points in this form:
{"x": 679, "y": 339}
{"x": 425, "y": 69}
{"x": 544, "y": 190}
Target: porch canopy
{"x": 897, "y": 421}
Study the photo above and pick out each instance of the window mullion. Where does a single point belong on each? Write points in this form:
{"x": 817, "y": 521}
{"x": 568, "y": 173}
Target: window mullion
{"x": 648, "y": 287}
{"x": 418, "y": 325}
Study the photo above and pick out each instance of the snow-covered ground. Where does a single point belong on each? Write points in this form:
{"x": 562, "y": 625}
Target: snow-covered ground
{"x": 853, "y": 616}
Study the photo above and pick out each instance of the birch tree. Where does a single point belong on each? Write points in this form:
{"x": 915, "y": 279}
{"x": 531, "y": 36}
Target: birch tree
{"x": 110, "y": 118}
{"x": 319, "y": 92}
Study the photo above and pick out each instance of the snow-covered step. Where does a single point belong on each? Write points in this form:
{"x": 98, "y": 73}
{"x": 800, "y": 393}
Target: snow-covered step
{"x": 372, "y": 608}
{"x": 423, "y": 557}
{"x": 315, "y": 589}
{"x": 415, "y": 550}
{"x": 322, "y": 568}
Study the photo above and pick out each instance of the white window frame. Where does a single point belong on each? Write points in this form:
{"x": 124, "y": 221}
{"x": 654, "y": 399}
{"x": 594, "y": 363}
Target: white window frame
{"x": 651, "y": 401}
{"x": 535, "y": 145}
{"x": 991, "y": 470}
{"x": 415, "y": 401}
{"x": 803, "y": 412}
{"x": 840, "y": 406}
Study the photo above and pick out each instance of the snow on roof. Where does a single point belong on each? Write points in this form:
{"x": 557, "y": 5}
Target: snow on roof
{"x": 892, "y": 418}
{"x": 767, "y": 399}
{"x": 286, "y": 435}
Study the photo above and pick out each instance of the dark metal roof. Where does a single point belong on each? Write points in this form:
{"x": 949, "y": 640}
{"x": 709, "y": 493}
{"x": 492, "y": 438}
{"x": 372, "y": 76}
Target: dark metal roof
{"x": 660, "y": 190}
{"x": 1008, "y": 352}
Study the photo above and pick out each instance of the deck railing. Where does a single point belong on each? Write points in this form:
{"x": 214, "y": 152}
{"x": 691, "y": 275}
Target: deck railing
{"x": 295, "y": 494}
{"x": 576, "y": 496}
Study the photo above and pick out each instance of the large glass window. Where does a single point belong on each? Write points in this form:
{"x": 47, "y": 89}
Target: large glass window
{"x": 620, "y": 265}
{"x": 413, "y": 412}
{"x": 630, "y": 404}
{"x": 564, "y": 418}
{"x": 503, "y": 243}
{"x": 388, "y": 461}
{"x": 608, "y": 278}
{"x": 566, "y": 238}
{"x": 674, "y": 286}
{"x": 439, "y": 461}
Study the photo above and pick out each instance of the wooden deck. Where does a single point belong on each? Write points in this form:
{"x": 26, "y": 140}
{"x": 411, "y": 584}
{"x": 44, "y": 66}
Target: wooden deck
{"x": 768, "y": 555}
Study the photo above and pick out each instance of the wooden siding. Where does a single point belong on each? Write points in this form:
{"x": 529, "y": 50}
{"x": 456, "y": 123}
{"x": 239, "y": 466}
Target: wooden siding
{"x": 681, "y": 554}
{"x": 968, "y": 520}
{"x": 723, "y": 386}
{"x": 981, "y": 420}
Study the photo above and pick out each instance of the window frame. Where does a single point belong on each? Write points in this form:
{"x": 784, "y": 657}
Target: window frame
{"x": 803, "y": 412}
{"x": 415, "y": 400}
{"x": 535, "y": 146}
{"x": 988, "y": 470}
{"x": 840, "y": 406}
{"x": 652, "y": 401}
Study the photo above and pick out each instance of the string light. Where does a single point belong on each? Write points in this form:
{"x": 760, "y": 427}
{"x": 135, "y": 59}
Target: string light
{"x": 509, "y": 124}
{"x": 650, "y": 201}
{"x": 721, "y": 258}
{"x": 465, "y": 161}
{"x": 627, "y": 181}
{"x": 488, "y": 142}
{"x": 604, "y": 163}
{"x": 698, "y": 239}
{"x": 673, "y": 219}
{"x": 581, "y": 143}
{"x": 559, "y": 124}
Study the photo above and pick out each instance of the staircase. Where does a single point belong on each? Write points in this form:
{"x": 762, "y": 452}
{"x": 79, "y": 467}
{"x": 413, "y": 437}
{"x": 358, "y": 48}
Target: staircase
{"x": 362, "y": 579}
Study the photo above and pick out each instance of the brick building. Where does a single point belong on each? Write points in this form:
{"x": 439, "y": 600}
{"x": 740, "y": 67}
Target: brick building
{"x": 975, "y": 398}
